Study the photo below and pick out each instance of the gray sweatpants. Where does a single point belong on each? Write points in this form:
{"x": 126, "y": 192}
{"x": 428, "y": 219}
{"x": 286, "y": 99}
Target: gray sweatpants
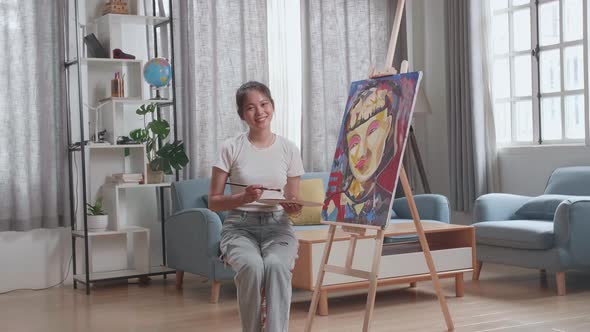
{"x": 261, "y": 247}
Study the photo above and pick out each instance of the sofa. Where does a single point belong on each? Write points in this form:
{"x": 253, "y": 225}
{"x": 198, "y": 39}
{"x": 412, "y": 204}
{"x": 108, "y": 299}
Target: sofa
{"x": 193, "y": 231}
{"x": 550, "y": 232}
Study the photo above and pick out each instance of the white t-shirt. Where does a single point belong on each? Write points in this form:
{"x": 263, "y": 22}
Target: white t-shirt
{"x": 270, "y": 167}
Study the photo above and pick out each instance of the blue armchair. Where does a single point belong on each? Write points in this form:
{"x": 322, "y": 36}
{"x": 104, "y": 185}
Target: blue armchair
{"x": 555, "y": 236}
{"x": 193, "y": 231}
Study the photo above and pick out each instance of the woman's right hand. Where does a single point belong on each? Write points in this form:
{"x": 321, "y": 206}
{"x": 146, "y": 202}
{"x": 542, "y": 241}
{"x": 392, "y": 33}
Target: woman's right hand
{"x": 252, "y": 193}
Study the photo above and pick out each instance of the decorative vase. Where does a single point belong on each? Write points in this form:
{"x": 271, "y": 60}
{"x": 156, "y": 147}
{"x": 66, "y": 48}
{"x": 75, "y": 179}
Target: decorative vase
{"x": 97, "y": 223}
{"x": 154, "y": 176}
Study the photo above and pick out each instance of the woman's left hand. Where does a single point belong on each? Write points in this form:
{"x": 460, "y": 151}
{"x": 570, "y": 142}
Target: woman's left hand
{"x": 292, "y": 208}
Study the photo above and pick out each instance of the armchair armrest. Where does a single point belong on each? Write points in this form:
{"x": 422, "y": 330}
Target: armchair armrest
{"x": 430, "y": 207}
{"x": 192, "y": 234}
{"x": 496, "y": 207}
{"x": 572, "y": 229}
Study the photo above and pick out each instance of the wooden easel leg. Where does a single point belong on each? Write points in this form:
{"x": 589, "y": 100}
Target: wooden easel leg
{"x": 320, "y": 279}
{"x": 426, "y": 249}
{"x": 373, "y": 279}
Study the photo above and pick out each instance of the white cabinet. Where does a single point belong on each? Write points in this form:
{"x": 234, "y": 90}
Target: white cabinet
{"x": 133, "y": 244}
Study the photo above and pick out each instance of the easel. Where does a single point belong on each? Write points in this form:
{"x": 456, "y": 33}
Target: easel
{"x": 358, "y": 230}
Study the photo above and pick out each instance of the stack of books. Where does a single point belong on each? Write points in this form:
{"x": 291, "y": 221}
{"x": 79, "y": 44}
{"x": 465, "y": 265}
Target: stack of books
{"x": 127, "y": 178}
{"x": 115, "y": 7}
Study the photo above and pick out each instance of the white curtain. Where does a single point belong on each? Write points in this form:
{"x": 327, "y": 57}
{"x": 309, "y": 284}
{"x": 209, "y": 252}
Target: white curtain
{"x": 341, "y": 39}
{"x": 472, "y": 142}
{"x": 284, "y": 63}
{"x": 33, "y": 140}
{"x": 219, "y": 45}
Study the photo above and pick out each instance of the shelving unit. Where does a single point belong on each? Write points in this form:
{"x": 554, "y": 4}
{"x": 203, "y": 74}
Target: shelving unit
{"x": 118, "y": 113}
{"x": 126, "y": 249}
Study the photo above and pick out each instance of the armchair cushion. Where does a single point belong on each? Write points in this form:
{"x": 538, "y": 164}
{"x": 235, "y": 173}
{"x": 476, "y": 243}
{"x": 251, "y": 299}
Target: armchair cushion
{"x": 519, "y": 234}
{"x": 541, "y": 207}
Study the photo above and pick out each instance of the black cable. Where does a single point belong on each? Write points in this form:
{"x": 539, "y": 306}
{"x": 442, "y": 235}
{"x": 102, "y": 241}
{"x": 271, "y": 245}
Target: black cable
{"x": 44, "y": 288}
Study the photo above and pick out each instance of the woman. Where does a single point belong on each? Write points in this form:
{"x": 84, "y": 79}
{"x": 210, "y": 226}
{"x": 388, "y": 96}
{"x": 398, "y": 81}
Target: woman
{"x": 257, "y": 240}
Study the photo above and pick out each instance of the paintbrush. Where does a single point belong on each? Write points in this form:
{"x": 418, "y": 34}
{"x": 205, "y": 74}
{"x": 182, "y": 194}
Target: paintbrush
{"x": 245, "y": 185}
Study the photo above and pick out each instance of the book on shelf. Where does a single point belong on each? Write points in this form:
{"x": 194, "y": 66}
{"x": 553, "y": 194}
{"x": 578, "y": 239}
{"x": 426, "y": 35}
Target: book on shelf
{"x": 127, "y": 178}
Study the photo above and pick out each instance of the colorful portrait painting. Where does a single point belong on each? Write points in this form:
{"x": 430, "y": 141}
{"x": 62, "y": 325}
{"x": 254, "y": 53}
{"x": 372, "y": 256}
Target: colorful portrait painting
{"x": 369, "y": 150}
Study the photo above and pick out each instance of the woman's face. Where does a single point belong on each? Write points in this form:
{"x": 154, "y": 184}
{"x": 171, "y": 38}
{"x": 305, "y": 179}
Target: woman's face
{"x": 366, "y": 142}
{"x": 257, "y": 110}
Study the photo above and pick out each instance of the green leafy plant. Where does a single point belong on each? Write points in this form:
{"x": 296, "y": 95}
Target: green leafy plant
{"x": 96, "y": 209}
{"x": 170, "y": 155}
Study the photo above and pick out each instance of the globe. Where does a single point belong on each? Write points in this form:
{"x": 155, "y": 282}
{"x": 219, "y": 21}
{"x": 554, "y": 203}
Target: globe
{"x": 157, "y": 72}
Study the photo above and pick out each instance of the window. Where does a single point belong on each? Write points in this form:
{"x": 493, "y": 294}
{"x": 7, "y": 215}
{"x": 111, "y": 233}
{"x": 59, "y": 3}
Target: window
{"x": 284, "y": 62}
{"x": 539, "y": 72}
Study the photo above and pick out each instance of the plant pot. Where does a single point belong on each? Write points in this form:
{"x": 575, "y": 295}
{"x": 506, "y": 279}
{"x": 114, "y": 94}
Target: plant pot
{"x": 97, "y": 223}
{"x": 154, "y": 176}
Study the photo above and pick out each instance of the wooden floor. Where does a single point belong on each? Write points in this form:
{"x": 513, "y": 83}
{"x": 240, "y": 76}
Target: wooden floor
{"x": 505, "y": 299}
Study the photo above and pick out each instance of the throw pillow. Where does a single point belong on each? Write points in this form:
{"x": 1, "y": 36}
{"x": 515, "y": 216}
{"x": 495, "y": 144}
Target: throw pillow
{"x": 310, "y": 190}
{"x": 541, "y": 207}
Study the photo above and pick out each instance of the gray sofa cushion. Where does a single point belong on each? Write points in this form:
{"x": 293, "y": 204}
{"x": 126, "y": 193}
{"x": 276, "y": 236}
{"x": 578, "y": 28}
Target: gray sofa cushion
{"x": 541, "y": 207}
{"x": 519, "y": 234}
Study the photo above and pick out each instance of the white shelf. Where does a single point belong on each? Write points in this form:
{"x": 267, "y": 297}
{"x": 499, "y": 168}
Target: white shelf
{"x": 115, "y": 146}
{"x": 109, "y": 61}
{"x": 130, "y": 229}
{"x": 137, "y": 185}
{"x": 124, "y": 249}
{"x": 129, "y": 19}
{"x": 131, "y": 101}
{"x": 123, "y": 274}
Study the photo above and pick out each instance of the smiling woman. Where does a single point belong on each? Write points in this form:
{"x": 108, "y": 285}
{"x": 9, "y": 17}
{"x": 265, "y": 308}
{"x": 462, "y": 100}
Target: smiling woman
{"x": 257, "y": 239}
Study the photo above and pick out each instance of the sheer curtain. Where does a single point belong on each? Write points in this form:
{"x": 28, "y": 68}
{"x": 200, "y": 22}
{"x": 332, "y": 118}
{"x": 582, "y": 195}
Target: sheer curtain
{"x": 340, "y": 40}
{"x": 33, "y": 154}
{"x": 472, "y": 142}
{"x": 221, "y": 44}
{"x": 284, "y": 63}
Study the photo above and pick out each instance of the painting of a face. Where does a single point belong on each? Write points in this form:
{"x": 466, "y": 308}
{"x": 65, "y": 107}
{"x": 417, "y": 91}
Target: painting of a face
{"x": 367, "y": 133}
{"x": 369, "y": 150}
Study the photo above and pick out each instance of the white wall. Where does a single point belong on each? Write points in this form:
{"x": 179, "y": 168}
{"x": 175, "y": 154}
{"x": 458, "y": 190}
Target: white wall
{"x": 525, "y": 170}
{"x": 34, "y": 259}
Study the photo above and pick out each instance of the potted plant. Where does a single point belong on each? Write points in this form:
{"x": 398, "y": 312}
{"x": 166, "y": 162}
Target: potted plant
{"x": 97, "y": 220}
{"x": 162, "y": 156}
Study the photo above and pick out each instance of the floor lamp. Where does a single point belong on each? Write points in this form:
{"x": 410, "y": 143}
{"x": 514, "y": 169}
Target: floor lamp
{"x": 422, "y": 108}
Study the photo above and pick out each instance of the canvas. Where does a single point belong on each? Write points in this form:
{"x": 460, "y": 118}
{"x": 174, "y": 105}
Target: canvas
{"x": 369, "y": 149}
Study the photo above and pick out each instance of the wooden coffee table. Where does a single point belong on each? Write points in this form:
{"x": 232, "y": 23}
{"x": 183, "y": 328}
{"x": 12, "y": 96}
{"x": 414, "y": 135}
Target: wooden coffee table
{"x": 452, "y": 247}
